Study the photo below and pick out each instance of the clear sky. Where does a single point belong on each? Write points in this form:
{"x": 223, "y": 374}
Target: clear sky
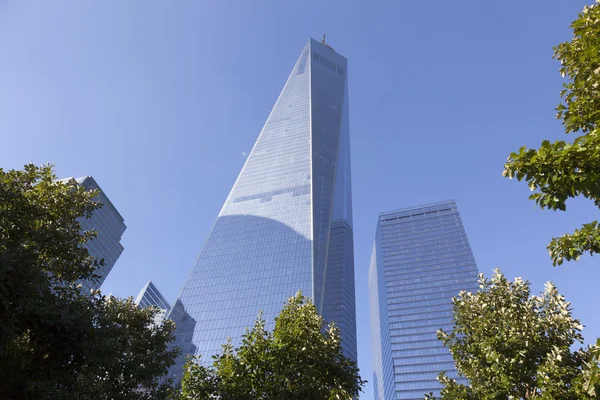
{"x": 161, "y": 100}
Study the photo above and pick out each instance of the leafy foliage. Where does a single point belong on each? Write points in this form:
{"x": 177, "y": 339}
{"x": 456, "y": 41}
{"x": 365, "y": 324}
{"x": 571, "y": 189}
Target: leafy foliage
{"x": 511, "y": 345}
{"x": 562, "y": 170}
{"x": 301, "y": 359}
{"x": 591, "y": 372}
{"x": 56, "y": 342}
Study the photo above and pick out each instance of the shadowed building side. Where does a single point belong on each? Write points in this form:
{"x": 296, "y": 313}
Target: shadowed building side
{"x": 227, "y": 295}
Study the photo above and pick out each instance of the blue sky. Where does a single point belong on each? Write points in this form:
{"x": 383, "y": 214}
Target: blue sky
{"x": 159, "y": 101}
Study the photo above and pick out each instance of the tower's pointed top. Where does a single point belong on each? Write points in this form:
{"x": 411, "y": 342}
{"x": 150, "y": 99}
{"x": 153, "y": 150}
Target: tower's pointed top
{"x": 325, "y": 44}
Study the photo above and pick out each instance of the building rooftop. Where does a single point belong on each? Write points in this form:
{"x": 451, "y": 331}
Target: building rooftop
{"x": 419, "y": 207}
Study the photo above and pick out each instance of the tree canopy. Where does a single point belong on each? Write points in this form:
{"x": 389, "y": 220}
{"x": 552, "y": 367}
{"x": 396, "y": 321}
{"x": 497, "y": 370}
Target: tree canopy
{"x": 512, "y": 345}
{"x": 562, "y": 170}
{"x": 301, "y": 359}
{"x": 56, "y": 342}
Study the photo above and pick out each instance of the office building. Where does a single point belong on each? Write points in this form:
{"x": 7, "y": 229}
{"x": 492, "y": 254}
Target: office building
{"x": 421, "y": 259}
{"x": 287, "y": 222}
{"x": 109, "y": 225}
{"x": 151, "y": 296}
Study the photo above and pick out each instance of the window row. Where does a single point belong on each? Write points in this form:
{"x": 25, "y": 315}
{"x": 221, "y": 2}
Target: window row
{"x": 328, "y": 63}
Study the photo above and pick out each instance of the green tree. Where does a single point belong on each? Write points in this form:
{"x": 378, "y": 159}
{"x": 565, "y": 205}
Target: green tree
{"x": 301, "y": 359}
{"x": 590, "y": 379}
{"x": 56, "y": 342}
{"x": 511, "y": 345}
{"x": 561, "y": 170}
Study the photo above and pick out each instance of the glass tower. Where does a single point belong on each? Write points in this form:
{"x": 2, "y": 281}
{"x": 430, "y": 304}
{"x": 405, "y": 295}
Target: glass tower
{"x": 287, "y": 222}
{"x": 109, "y": 225}
{"x": 420, "y": 260}
{"x": 150, "y": 296}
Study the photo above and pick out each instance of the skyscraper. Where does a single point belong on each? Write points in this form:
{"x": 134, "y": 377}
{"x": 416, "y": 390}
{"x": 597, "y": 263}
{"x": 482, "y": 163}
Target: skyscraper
{"x": 110, "y": 227}
{"x": 287, "y": 222}
{"x": 151, "y": 296}
{"x": 420, "y": 260}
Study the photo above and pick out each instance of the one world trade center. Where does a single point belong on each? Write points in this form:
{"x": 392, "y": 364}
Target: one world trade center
{"x": 287, "y": 222}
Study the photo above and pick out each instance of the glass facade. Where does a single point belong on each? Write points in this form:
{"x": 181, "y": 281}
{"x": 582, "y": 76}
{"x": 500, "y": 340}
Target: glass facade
{"x": 287, "y": 222}
{"x": 420, "y": 260}
{"x": 110, "y": 227}
{"x": 150, "y": 296}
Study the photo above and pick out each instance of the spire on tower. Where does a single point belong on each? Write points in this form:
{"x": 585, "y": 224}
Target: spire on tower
{"x": 323, "y": 39}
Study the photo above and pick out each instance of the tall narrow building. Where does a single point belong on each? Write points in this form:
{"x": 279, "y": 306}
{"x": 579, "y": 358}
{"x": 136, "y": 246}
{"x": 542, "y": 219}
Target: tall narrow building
{"x": 109, "y": 225}
{"x": 420, "y": 260}
{"x": 287, "y": 222}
